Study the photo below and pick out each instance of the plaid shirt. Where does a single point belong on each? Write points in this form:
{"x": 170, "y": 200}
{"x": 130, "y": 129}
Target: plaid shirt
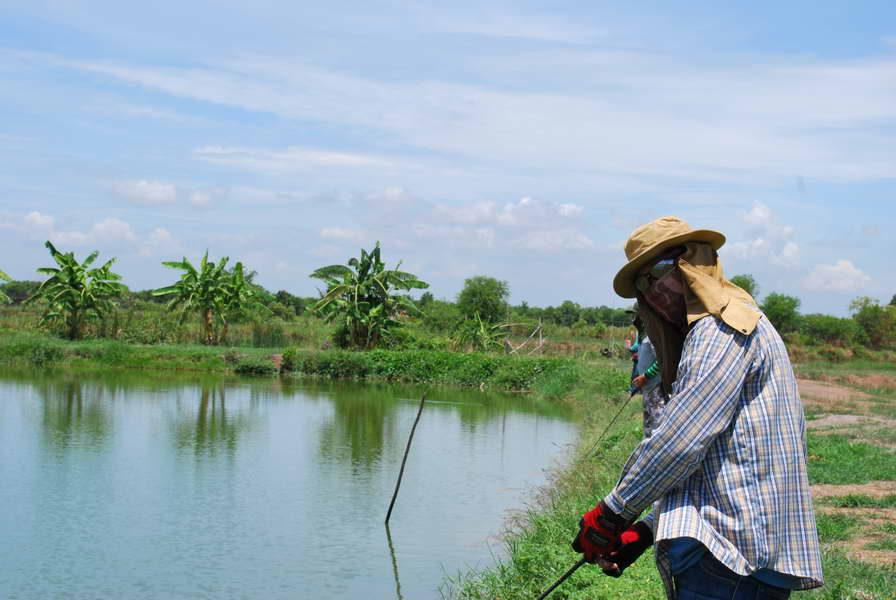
{"x": 727, "y": 463}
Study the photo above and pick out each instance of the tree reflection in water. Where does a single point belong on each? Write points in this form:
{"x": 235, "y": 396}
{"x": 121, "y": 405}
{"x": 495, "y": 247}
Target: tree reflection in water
{"x": 214, "y": 429}
{"x": 361, "y": 425}
{"x": 74, "y": 414}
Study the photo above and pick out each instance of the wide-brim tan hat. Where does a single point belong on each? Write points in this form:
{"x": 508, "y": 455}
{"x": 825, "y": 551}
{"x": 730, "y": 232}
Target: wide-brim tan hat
{"x": 649, "y": 241}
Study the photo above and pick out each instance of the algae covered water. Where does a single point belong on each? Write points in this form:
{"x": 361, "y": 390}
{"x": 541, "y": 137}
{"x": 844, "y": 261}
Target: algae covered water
{"x": 158, "y": 485}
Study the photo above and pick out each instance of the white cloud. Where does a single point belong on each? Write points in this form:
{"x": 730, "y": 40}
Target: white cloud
{"x": 632, "y": 116}
{"x": 293, "y": 157}
{"x": 200, "y": 198}
{"x": 146, "y": 192}
{"x": 767, "y": 239}
{"x": 37, "y": 223}
{"x": 162, "y": 193}
{"x": 570, "y": 210}
{"x": 160, "y": 241}
{"x": 110, "y": 232}
{"x": 341, "y": 233}
{"x": 842, "y": 276}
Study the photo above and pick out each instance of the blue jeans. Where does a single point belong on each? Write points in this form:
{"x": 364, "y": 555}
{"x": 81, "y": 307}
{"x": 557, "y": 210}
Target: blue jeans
{"x": 709, "y": 579}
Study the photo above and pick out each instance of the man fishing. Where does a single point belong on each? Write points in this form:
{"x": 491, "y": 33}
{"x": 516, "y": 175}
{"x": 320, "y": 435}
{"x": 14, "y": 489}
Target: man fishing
{"x": 725, "y": 467}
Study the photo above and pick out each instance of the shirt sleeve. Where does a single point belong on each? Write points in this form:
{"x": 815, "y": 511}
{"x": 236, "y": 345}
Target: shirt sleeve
{"x": 714, "y": 363}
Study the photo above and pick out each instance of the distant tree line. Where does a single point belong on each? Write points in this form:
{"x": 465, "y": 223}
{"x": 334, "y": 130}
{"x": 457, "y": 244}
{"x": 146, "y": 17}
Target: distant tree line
{"x": 368, "y": 304}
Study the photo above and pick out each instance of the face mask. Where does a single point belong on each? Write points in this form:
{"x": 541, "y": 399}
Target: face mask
{"x": 666, "y": 296}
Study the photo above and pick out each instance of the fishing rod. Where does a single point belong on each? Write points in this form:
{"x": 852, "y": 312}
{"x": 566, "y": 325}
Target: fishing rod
{"x": 632, "y": 391}
{"x": 563, "y": 578}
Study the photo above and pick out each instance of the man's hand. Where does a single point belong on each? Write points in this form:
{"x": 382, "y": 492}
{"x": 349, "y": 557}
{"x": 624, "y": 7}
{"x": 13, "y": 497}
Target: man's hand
{"x": 635, "y": 541}
{"x": 640, "y": 381}
{"x": 599, "y": 533}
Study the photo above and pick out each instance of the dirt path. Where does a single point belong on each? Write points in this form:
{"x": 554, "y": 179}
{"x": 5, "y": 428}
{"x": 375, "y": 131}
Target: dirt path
{"x": 830, "y": 397}
{"x": 848, "y": 411}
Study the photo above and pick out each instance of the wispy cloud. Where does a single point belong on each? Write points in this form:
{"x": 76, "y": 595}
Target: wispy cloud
{"x": 290, "y": 158}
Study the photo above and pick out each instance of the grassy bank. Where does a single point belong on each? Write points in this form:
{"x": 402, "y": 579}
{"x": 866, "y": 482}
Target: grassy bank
{"x": 41, "y": 350}
{"x": 538, "y": 543}
{"x": 548, "y": 377}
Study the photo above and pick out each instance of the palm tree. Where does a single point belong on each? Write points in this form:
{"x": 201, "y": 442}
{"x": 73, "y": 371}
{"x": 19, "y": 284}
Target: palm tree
{"x": 214, "y": 292}
{"x": 241, "y": 297}
{"x": 360, "y": 296}
{"x": 198, "y": 290}
{"x": 75, "y": 293}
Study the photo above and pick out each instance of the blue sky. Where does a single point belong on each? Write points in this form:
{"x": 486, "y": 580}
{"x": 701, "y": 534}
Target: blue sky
{"x": 518, "y": 140}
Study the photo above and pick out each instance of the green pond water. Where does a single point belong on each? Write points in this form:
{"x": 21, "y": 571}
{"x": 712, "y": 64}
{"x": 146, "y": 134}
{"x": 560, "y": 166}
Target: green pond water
{"x": 159, "y": 485}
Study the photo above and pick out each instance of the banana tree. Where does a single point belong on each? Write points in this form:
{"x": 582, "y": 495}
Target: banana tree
{"x": 360, "y": 297}
{"x": 4, "y": 299}
{"x": 75, "y": 293}
{"x": 241, "y": 297}
{"x": 199, "y": 291}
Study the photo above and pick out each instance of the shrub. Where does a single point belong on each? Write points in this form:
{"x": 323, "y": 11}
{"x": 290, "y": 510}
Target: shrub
{"x": 290, "y": 360}
{"x": 835, "y": 354}
{"x": 878, "y": 322}
{"x": 404, "y": 338}
{"x": 255, "y": 365}
{"x": 115, "y": 353}
{"x": 44, "y": 353}
{"x": 830, "y": 330}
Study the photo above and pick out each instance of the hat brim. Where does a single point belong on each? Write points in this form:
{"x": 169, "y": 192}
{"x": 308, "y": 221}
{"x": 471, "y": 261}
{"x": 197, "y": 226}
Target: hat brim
{"x": 624, "y": 282}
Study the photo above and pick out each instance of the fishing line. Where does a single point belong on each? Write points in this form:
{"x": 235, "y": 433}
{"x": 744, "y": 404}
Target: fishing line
{"x": 590, "y": 452}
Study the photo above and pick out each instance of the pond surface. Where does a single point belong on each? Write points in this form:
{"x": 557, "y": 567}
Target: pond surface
{"x": 159, "y": 485}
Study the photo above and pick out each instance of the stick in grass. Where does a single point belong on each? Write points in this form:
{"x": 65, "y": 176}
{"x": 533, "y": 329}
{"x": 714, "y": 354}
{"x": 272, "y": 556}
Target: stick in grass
{"x": 403, "y": 460}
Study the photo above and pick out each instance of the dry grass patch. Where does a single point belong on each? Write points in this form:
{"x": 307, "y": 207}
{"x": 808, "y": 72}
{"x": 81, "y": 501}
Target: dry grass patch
{"x": 834, "y": 398}
{"x": 871, "y": 532}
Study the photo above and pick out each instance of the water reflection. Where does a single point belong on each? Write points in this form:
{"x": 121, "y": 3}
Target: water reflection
{"x": 74, "y": 414}
{"x": 394, "y": 563}
{"x": 214, "y": 428}
{"x": 219, "y": 486}
{"x": 360, "y": 427}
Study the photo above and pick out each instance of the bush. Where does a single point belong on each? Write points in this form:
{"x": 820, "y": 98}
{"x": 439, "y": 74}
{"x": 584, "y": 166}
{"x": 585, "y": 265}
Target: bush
{"x": 44, "y": 353}
{"x": 290, "y": 360}
{"x": 403, "y": 338}
{"x": 114, "y": 353}
{"x": 835, "y": 354}
{"x": 255, "y": 365}
{"x": 878, "y": 322}
{"x": 825, "y": 329}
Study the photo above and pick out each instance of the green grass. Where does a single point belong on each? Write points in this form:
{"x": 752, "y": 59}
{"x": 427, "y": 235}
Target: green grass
{"x": 42, "y": 350}
{"x": 860, "y": 501}
{"x": 836, "y": 527}
{"x": 539, "y": 549}
{"x": 540, "y": 552}
{"x": 549, "y": 377}
{"x": 875, "y": 434}
{"x": 889, "y": 544}
{"x": 888, "y": 528}
{"x": 884, "y": 366}
{"x": 836, "y": 460}
{"x": 847, "y": 579}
